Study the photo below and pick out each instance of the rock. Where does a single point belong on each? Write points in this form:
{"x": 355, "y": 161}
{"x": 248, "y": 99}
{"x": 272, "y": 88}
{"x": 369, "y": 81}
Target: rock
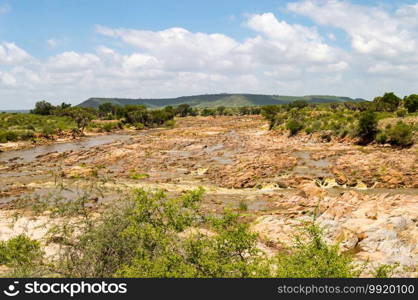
{"x": 76, "y": 172}
{"x": 310, "y": 190}
{"x": 341, "y": 179}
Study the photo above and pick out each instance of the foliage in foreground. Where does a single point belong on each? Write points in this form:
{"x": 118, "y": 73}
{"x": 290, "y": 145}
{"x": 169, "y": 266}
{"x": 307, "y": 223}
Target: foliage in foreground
{"x": 21, "y": 255}
{"x": 314, "y": 259}
{"x": 153, "y": 235}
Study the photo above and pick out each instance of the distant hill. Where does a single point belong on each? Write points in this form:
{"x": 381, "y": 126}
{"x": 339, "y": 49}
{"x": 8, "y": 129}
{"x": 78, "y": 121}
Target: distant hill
{"x": 24, "y": 111}
{"x": 213, "y": 100}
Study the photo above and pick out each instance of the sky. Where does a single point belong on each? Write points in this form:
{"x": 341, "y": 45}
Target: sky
{"x": 70, "y": 50}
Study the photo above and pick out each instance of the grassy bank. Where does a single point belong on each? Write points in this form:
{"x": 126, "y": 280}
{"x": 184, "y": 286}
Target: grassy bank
{"x": 18, "y": 126}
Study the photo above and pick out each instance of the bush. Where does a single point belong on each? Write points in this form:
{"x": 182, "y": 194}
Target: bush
{"x": 388, "y": 102}
{"x": 8, "y": 136}
{"x": 314, "y": 259}
{"x": 294, "y": 126}
{"x": 401, "y": 112}
{"x": 19, "y": 250}
{"x": 400, "y": 135}
{"x": 381, "y": 138}
{"x": 139, "y": 126}
{"x": 157, "y": 236}
{"x": 170, "y": 123}
{"x": 411, "y": 103}
{"x": 153, "y": 235}
{"x": 42, "y": 108}
{"x": 48, "y": 131}
{"x": 367, "y": 126}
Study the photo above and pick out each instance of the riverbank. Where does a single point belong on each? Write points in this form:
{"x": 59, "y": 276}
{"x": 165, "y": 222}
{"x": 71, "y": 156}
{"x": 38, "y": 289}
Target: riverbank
{"x": 365, "y": 198}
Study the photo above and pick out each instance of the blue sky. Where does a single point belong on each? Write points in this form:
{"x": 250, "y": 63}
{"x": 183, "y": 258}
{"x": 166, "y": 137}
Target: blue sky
{"x": 70, "y": 50}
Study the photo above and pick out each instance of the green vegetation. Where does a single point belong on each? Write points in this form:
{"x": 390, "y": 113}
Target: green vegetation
{"x": 367, "y": 126}
{"x": 329, "y": 119}
{"x": 399, "y": 135}
{"x": 15, "y": 126}
{"x": 216, "y": 100}
{"x": 388, "y": 102}
{"x": 294, "y": 126}
{"x": 352, "y": 120}
{"x": 314, "y": 259}
{"x": 153, "y": 235}
{"x": 19, "y": 251}
{"x": 411, "y": 103}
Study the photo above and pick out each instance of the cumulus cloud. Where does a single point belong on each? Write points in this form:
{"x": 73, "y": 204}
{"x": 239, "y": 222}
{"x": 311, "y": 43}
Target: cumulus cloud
{"x": 5, "y": 8}
{"x": 276, "y": 57}
{"x": 12, "y": 54}
{"x": 372, "y": 30}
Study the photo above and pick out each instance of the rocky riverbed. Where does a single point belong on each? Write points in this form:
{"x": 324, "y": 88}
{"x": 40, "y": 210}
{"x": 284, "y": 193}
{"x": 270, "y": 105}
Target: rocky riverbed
{"x": 365, "y": 198}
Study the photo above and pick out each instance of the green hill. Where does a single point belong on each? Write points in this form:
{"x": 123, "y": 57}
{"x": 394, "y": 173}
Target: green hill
{"x": 213, "y": 100}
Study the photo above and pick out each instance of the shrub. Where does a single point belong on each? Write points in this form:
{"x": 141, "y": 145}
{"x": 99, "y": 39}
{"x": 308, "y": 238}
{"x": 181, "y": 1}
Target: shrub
{"x": 381, "y": 138}
{"x": 294, "y": 126}
{"x": 138, "y": 176}
{"x": 170, "y": 123}
{"x": 19, "y": 250}
{"x": 269, "y": 112}
{"x": 400, "y": 135}
{"x": 108, "y": 127}
{"x": 401, "y": 112}
{"x": 155, "y": 236}
{"x": 314, "y": 259}
{"x": 367, "y": 126}
{"x": 411, "y": 103}
{"x": 384, "y": 271}
{"x": 47, "y": 131}
{"x": 42, "y": 108}
{"x": 8, "y": 136}
{"x": 139, "y": 126}
{"x": 388, "y": 102}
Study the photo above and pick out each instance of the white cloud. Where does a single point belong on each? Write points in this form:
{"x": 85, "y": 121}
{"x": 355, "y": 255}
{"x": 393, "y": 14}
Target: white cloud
{"x": 372, "y": 30}
{"x": 7, "y": 80}
{"x": 5, "y": 8}
{"x": 332, "y": 36}
{"x": 276, "y": 57}
{"x": 72, "y": 61}
{"x": 52, "y": 43}
{"x": 12, "y": 54}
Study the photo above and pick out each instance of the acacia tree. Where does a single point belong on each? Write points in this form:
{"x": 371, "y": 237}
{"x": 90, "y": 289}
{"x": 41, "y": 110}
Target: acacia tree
{"x": 411, "y": 103}
{"x": 42, "y": 108}
{"x": 388, "y": 102}
{"x": 81, "y": 116}
{"x": 367, "y": 127}
{"x": 184, "y": 110}
{"x": 269, "y": 112}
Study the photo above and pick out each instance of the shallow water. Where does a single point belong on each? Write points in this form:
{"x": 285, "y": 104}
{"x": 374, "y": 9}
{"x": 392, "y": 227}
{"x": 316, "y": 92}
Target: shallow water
{"x": 29, "y": 155}
{"x": 308, "y": 166}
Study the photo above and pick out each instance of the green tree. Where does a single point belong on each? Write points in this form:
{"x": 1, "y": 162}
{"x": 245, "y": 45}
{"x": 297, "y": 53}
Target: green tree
{"x": 388, "y": 102}
{"x": 400, "y": 135}
{"x": 82, "y": 116}
{"x": 220, "y": 110}
{"x": 42, "y": 108}
{"x": 184, "y": 110}
{"x": 367, "y": 126}
{"x": 299, "y": 104}
{"x": 107, "y": 110}
{"x": 269, "y": 112}
{"x": 294, "y": 126}
{"x": 411, "y": 103}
